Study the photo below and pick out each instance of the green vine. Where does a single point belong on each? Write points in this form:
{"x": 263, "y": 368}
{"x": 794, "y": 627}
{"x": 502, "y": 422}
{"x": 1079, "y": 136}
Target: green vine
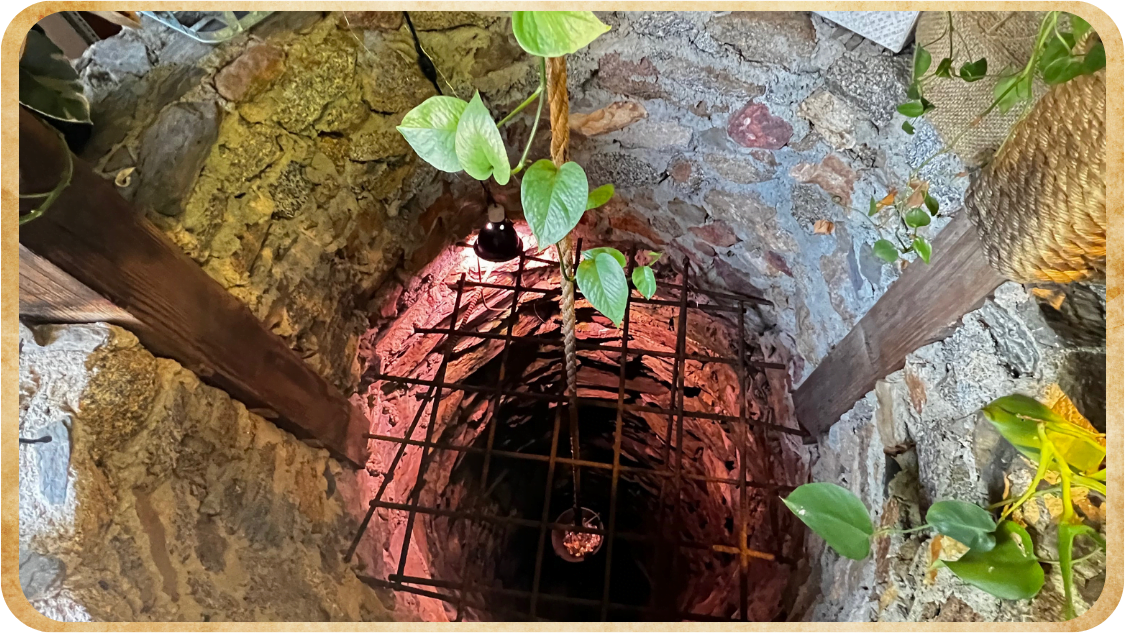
{"x": 457, "y": 136}
{"x": 1001, "y": 557}
{"x": 51, "y": 196}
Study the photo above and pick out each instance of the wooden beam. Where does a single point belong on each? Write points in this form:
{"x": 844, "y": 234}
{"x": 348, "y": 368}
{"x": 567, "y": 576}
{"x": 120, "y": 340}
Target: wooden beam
{"x": 96, "y": 237}
{"x": 49, "y": 295}
{"x": 919, "y": 308}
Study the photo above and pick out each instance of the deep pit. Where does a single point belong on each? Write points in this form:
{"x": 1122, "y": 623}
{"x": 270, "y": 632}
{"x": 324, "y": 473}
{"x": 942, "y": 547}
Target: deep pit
{"x": 651, "y": 577}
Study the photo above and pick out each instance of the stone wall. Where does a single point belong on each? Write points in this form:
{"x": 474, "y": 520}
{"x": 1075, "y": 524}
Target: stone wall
{"x": 158, "y": 498}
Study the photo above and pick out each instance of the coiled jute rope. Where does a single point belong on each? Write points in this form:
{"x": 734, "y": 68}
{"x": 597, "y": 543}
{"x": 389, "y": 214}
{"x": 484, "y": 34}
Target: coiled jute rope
{"x": 1039, "y": 205}
{"x": 559, "y": 102}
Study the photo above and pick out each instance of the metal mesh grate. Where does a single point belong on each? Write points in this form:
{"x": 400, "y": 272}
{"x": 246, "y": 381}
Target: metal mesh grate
{"x": 672, "y": 475}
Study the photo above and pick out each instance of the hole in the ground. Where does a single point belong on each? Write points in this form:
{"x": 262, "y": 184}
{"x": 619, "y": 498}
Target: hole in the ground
{"x": 685, "y": 532}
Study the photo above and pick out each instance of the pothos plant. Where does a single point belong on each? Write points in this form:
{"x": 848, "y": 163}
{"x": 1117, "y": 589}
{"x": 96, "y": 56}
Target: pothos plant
{"x": 50, "y": 87}
{"x": 1059, "y": 55}
{"x": 454, "y": 136}
{"x": 1001, "y": 557}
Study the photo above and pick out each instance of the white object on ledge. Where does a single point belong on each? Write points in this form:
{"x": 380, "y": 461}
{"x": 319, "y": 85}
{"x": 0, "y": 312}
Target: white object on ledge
{"x": 889, "y": 29}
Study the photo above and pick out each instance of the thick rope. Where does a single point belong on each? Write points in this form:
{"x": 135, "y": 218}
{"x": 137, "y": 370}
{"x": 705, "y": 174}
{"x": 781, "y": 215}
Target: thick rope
{"x": 1039, "y": 206}
{"x": 559, "y": 101}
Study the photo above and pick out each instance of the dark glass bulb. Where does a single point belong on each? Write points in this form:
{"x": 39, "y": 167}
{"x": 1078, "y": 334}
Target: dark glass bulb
{"x": 498, "y": 242}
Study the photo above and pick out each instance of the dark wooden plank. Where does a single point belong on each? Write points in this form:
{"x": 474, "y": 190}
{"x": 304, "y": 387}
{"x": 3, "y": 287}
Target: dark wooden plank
{"x": 919, "y": 308}
{"x": 47, "y": 294}
{"x": 97, "y": 237}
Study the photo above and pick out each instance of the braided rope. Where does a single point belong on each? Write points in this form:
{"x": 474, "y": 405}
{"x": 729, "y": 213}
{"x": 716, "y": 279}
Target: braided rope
{"x": 1039, "y": 206}
{"x": 559, "y": 101}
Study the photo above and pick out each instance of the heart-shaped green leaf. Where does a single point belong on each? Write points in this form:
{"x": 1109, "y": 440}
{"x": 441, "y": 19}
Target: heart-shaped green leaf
{"x": 974, "y": 71}
{"x": 602, "y": 281}
{"x": 886, "y": 251}
{"x": 645, "y": 281}
{"x": 49, "y": 85}
{"x": 480, "y": 150}
{"x": 554, "y": 199}
{"x": 922, "y": 247}
{"x": 1012, "y": 90}
{"x": 944, "y": 67}
{"x": 618, "y": 255}
{"x": 911, "y": 109}
{"x": 555, "y": 33}
{"x": 1009, "y": 570}
{"x": 1017, "y": 417}
{"x": 836, "y": 515}
{"x": 922, "y": 61}
{"x": 967, "y": 523}
{"x": 1094, "y": 60}
{"x": 931, "y": 204}
{"x": 917, "y": 217}
{"x": 1078, "y": 26}
{"x": 599, "y": 196}
{"x": 1062, "y": 70}
{"x": 431, "y": 129}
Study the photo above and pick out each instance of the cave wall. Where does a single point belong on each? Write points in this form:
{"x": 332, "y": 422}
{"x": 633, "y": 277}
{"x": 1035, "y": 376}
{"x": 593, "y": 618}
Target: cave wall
{"x": 159, "y": 498}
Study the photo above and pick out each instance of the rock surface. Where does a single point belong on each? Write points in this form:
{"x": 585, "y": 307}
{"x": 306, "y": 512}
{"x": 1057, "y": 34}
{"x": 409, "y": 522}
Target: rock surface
{"x": 158, "y": 498}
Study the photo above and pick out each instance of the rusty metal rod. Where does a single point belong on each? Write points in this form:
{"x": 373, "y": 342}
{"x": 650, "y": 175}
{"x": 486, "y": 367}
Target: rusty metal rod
{"x": 541, "y": 544}
{"x": 580, "y": 462}
{"x": 423, "y": 466}
{"x": 618, "y": 430}
{"x": 722, "y": 548}
{"x": 594, "y": 402}
{"x": 598, "y": 347}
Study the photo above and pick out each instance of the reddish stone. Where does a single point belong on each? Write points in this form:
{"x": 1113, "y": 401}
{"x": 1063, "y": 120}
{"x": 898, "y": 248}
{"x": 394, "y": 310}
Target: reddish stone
{"x": 630, "y": 223}
{"x": 778, "y": 262}
{"x": 755, "y": 126}
{"x": 832, "y": 175}
{"x": 637, "y": 79}
{"x": 252, "y": 70}
{"x": 735, "y": 279}
{"x": 717, "y": 233}
{"x": 680, "y": 171}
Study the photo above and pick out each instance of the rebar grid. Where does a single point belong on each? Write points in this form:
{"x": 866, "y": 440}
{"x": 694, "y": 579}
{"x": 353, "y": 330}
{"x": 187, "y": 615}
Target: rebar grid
{"x": 742, "y": 423}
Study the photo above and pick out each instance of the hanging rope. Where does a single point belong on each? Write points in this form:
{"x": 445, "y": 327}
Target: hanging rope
{"x": 559, "y": 102}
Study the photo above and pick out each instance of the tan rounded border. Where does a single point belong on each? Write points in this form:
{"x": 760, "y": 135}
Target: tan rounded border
{"x": 9, "y": 342}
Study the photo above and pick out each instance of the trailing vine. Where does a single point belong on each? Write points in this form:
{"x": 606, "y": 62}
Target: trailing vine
{"x": 1058, "y": 56}
{"x": 1001, "y": 557}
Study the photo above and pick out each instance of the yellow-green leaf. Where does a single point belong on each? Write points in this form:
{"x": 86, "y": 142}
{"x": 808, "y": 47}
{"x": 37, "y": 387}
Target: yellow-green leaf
{"x": 555, "y": 33}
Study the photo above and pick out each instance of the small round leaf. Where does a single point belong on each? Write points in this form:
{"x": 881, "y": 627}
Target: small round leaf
{"x": 836, "y": 515}
{"x": 555, "y": 33}
{"x": 886, "y": 251}
{"x": 917, "y": 217}
{"x": 1009, "y": 570}
{"x": 645, "y": 281}
{"x": 602, "y": 281}
{"x": 554, "y": 199}
{"x": 922, "y": 247}
{"x": 431, "y": 129}
{"x": 599, "y": 196}
{"x": 480, "y": 150}
{"x": 967, "y": 523}
{"x": 618, "y": 255}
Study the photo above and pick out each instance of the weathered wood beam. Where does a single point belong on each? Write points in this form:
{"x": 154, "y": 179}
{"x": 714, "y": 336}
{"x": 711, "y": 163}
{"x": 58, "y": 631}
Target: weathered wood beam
{"x": 919, "y": 308}
{"x": 49, "y": 295}
{"x": 95, "y": 236}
